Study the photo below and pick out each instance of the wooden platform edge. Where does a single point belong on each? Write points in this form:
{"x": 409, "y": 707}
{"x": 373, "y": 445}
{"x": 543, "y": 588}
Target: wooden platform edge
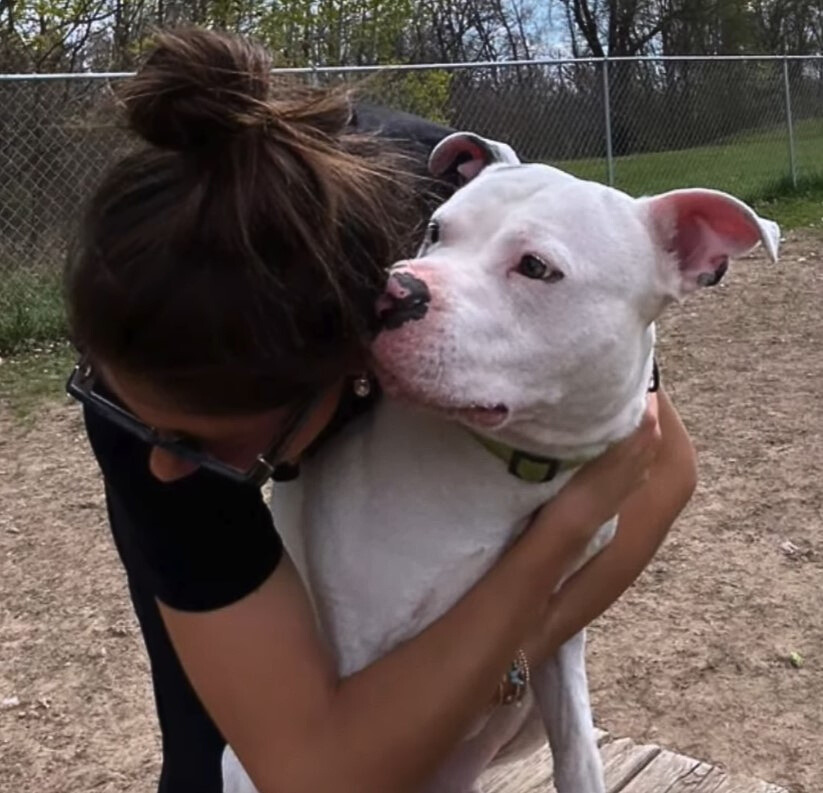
{"x": 632, "y": 767}
{"x": 629, "y": 767}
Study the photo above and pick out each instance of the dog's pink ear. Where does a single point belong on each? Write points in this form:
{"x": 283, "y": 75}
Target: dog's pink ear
{"x": 703, "y": 229}
{"x": 463, "y": 155}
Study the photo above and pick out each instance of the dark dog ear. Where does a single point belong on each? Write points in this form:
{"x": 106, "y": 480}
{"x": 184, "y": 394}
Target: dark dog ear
{"x": 463, "y": 155}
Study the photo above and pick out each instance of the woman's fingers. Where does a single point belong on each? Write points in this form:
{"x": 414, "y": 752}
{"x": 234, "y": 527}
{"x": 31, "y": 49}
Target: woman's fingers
{"x": 596, "y": 492}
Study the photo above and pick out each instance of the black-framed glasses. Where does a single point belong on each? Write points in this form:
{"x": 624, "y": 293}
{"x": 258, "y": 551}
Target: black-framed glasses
{"x": 81, "y": 386}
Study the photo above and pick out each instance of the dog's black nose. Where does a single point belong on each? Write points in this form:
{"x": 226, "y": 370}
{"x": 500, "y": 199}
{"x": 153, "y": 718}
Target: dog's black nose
{"x": 405, "y": 298}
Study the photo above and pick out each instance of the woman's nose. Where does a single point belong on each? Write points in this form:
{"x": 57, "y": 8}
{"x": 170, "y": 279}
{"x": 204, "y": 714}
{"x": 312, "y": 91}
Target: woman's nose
{"x": 168, "y": 467}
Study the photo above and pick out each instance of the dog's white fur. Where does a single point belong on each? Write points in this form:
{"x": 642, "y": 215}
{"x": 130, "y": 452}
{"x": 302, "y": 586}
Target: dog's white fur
{"x": 404, "y": 510}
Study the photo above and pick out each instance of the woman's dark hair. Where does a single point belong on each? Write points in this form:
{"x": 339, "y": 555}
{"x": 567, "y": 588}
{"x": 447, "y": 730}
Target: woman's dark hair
{"x": 234, "y": 261}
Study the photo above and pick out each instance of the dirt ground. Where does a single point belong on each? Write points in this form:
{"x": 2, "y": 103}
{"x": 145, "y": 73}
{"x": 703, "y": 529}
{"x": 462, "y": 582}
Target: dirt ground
{"x": 699, "y": 656}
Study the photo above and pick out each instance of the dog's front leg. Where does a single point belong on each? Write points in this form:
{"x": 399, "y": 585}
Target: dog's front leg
{"x": 562, "y": 694}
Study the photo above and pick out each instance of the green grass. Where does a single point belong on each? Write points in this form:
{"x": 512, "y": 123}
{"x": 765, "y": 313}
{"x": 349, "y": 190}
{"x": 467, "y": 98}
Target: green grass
{"x": 31, "y": 310}
{"x": 30, "y": 378}
{"x": 748, "y": 165}
{"x": 791, "y": 207}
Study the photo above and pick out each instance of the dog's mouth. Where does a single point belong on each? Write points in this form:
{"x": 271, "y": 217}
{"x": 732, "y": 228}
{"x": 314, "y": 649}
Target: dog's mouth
{"x": 486, "y": 416}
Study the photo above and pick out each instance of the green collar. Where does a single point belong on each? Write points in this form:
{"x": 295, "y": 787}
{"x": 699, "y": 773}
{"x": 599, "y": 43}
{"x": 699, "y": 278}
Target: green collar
{"x": 526, "y": 466}
{"x": 534, "y": 468}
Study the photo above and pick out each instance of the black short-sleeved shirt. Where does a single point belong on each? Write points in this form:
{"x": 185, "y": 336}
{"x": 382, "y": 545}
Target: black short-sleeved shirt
{"x": 203, "y": 542}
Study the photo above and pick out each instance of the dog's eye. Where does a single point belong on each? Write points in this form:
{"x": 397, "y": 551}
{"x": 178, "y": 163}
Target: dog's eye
{"x": 532, "y": 267}
{"x": 433, "y": 233}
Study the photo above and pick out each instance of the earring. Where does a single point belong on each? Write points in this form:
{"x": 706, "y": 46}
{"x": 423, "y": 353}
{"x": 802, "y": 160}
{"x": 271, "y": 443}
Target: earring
{"x": 361, "y": 386}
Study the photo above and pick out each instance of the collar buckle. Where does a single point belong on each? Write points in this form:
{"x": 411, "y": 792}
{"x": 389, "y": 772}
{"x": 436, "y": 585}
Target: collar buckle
{"x": 532, "y": 468}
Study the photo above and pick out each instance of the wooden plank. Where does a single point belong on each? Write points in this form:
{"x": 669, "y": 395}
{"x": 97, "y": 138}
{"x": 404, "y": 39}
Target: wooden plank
{"x": 629, "y": 768}
{"x": 676, "y": 773}
{"x": 530, "y": 775}
{"x": 740, "y": 784}
{"x": 717, "y": 781}
{"x": 666, "y": 770}
{"x": 623, "y": 760}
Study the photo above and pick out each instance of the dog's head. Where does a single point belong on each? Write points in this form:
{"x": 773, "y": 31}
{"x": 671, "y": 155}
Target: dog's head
{"x": 528, "y": 310}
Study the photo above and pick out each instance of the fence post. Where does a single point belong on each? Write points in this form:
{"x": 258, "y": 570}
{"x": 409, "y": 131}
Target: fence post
{"x": 787, "y": 94}
{"x": 608, "y": 117}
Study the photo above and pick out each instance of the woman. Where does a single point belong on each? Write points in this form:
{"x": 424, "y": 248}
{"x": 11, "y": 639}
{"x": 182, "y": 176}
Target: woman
{"x": 221, "y": 291}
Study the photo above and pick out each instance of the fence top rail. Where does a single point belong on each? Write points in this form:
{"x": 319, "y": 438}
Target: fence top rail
{"x": 411, "y": 67}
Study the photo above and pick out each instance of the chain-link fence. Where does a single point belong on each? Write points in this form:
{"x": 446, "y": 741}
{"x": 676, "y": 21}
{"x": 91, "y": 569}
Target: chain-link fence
{"x": 752, "y": 126}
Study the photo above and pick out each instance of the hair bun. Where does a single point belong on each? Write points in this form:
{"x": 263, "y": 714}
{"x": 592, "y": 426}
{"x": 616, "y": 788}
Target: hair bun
{"x": 196, "y": 88}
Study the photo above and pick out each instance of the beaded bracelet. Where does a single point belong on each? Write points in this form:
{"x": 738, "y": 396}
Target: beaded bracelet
{"x": 513, "y": 685}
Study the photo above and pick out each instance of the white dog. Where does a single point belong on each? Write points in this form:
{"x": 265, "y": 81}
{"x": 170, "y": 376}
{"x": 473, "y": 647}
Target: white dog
{"x": 520, "y": 341}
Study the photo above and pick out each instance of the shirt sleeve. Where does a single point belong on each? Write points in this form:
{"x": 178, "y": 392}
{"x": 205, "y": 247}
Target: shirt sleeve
{"x": 199, "y": 543}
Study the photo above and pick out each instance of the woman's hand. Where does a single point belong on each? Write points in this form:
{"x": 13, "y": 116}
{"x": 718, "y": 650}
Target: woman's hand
{"x": 648, "y": 478}
{"x": 598, "y": 490}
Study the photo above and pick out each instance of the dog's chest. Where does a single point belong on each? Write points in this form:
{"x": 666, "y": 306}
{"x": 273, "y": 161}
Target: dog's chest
{"x": 394, "y": 521}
